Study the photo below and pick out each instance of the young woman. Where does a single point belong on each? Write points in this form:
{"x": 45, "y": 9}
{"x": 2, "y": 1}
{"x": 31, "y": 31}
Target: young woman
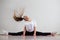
{"x": 29, "y": 28}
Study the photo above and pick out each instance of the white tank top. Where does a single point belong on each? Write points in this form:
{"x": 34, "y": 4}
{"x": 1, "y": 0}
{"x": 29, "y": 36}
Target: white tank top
{"x": 30, "y": 26}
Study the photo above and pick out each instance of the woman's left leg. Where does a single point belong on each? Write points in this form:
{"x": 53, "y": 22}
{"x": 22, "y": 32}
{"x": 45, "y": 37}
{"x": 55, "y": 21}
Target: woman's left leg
{"x": 42, "y": 33}
{"x": 37, "y": 33}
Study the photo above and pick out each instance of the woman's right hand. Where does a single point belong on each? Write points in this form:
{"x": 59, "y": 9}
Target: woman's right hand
{"x": 23, "y": 35}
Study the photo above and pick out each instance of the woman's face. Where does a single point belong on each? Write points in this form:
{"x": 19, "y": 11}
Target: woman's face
{"x": 26, "y": 18}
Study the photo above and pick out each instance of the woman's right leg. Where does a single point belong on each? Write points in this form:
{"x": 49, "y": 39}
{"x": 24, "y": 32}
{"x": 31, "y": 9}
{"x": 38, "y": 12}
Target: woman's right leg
{"x": 21, "y": 33}
{"x": 15, "y": 34}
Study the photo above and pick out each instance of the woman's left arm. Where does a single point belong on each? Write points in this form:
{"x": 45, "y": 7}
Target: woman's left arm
{"x": 34, "y": 31}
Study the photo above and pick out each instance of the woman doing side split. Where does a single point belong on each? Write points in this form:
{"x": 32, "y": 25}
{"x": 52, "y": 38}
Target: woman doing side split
{"x": 29, "y": 28}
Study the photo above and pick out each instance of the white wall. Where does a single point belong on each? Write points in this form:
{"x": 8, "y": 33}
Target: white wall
{"x": 46, "y": 13}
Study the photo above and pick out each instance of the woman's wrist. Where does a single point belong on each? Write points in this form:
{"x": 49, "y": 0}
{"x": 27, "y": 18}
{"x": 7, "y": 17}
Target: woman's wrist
{"x": 34, "y": 34}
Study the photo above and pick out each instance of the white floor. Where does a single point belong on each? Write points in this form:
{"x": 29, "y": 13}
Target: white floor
{"x": 2, "y": 37}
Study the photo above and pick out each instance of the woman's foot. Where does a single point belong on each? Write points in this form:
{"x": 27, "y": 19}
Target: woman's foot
{"x": 53, "y": 34}
{"x": 5, "y": 32}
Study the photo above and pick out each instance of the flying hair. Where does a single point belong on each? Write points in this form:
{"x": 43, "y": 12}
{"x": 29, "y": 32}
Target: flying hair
{"x": 20, "y": 18}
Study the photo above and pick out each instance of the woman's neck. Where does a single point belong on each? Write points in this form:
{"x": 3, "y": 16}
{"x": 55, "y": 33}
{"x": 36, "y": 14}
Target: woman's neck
{"x": 29, "y": 20}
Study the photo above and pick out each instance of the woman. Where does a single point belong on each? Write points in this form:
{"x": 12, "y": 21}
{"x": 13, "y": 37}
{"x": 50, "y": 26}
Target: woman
{"x": 29, "y": 28}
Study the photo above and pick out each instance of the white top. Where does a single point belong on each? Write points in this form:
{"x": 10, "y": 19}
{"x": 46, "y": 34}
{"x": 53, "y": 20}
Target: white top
{"x": 30, "y": 26}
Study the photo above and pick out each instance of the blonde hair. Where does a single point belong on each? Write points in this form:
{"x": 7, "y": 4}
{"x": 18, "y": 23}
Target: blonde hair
{"x": 20, "y": 18}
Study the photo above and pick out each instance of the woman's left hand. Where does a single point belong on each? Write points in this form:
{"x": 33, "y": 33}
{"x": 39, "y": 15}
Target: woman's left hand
{"x": 34, "y": 34}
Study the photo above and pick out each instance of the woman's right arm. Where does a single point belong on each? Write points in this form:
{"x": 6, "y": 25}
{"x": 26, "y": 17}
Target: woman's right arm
{"x": 24, "y": 30}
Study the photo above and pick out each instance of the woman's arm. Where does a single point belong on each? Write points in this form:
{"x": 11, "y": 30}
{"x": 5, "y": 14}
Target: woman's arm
{"x": 24, "y": 30}
{"x": 34, "y": 31}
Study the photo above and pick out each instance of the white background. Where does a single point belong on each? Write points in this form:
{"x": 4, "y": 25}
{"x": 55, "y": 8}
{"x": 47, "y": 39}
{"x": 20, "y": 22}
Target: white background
{"x": 45, "y": 12}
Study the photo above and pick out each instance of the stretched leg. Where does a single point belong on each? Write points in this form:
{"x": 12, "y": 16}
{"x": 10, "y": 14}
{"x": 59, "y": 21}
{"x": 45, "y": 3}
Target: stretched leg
{"x": 20, "y": 33}
{"x": 37, "y": 33}
{"x": 15, "y": 34}
{"x": 42, "y": 34}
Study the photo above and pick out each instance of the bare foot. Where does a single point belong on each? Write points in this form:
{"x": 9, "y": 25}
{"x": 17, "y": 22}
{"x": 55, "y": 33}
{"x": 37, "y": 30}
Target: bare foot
{"x": 53, "y": 34}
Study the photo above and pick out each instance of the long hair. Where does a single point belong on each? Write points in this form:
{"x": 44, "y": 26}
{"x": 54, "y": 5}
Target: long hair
{"x": 20, "y": 18}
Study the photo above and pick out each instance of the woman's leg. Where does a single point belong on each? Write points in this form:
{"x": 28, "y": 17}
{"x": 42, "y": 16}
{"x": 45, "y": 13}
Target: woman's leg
{"x": 21, "y": 33}
{"x": 15, "y": 34}
{"x": 37, "y": 33}
{"x": 42, "y": 34}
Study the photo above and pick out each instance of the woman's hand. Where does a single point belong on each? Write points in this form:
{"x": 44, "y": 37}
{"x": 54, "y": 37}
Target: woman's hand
{"x": 34, "y": 31}
{"x": 23, "y": 35}
{"x": 34, "y": 34}
{"x": 24, "y": 31}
